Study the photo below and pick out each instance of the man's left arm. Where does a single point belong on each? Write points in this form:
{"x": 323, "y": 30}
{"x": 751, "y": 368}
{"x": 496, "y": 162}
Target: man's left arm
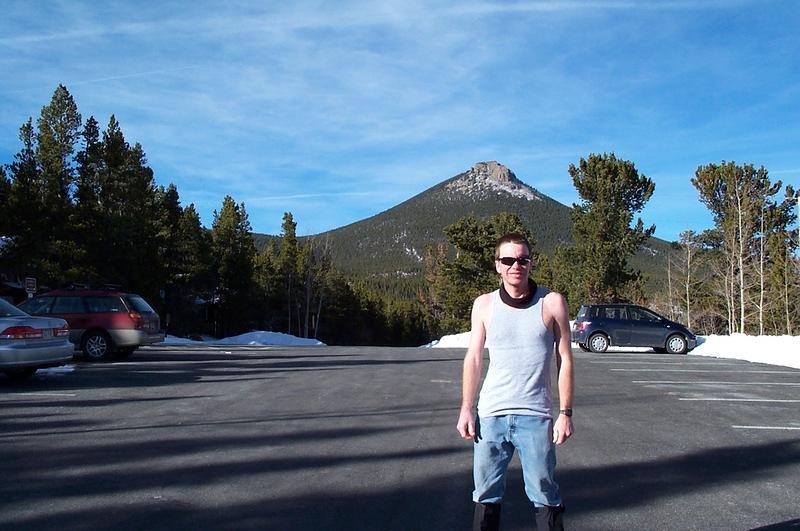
{"x": 562, "y": 429}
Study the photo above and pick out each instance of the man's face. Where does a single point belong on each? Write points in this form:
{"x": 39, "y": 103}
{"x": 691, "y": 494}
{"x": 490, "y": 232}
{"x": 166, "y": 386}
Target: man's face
{"x": 515, "y": 274}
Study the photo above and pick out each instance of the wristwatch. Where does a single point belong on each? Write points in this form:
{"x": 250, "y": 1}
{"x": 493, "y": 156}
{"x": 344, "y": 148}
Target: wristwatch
{"x": 567, "y": 412}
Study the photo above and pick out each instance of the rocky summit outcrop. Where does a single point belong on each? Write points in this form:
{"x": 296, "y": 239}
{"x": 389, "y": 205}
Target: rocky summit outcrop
{"x": 493, "y": 170}
{"x": 486, "y": 179}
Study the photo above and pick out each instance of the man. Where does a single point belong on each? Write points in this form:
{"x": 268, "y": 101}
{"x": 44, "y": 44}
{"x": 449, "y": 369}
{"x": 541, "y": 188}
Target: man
{"x": 525, "y": 328}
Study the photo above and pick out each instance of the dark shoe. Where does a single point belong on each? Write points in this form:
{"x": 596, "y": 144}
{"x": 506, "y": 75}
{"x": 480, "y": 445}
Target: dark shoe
{"x": 487, "y": 517}
{"x": 550, "y": 518}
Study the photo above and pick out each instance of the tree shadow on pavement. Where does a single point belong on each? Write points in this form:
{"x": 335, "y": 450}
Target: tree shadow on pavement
{"x": 437, "y": 500}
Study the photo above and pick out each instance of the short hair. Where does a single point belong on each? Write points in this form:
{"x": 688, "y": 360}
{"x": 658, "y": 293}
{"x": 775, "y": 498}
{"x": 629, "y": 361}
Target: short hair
{"x": 511, "y": 237}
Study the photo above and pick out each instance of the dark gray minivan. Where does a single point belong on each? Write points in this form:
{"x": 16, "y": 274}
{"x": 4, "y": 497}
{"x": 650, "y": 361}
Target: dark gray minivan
{"x": 599, "y": 326}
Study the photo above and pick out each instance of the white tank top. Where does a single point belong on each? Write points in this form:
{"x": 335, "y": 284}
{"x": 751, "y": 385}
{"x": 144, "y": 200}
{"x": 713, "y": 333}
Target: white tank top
{"x": 520, "y": 361}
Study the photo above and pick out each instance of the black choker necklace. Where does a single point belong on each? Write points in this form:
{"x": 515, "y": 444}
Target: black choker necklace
{"x": 524, "y": 302}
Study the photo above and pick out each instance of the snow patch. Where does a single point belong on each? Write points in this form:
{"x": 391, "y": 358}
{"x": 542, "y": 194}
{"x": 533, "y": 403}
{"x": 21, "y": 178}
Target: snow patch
{"x": 250, "y": 338}
{"x": 771, "y": 350}
{"x": 482, "y": 186}
{"x": 410, "y": 251}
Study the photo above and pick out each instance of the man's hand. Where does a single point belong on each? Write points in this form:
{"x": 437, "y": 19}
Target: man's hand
{"x": 466, "y": 424}
{"x": 562, "y": 430}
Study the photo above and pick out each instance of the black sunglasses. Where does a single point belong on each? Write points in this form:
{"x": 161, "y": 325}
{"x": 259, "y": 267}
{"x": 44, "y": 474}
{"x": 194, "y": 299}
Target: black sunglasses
{"x": 509, "y": 260}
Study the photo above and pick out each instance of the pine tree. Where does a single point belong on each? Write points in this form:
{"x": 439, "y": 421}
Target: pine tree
{"x": 472, "y": 271}
{"x": 234, "y": 254}
{"x": 567, "y": 274}
{"x": 542, "y": 272}
{"x": 170, "y": 214}
{"x": 611, "y": 192}
{"x": 58, "y": 132}
{"x": 129, "y": 240}
{"x": 195, "y": 243}
{"x": 287, "y": 264}
{"x": 102, "y": 195}
{"x": 172, "y": 253}
{"x": 430, "y": 296}
{"x": 86, "y": 221}
{"x": 58, "y": 129}
{"x": 269, "y": 282}
{"x": 24, "y": 252}
{"x": 186, "y": 258}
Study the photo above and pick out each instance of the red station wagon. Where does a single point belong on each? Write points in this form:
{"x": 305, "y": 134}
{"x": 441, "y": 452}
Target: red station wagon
{"x": 101, "y": 322}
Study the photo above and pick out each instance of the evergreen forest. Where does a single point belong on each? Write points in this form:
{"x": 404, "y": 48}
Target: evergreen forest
{"x": 80, "y": 206}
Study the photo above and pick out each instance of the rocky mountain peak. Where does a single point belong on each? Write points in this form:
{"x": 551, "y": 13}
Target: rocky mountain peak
{"x": 491, "y": 178}
{"x": 493, "y": 170}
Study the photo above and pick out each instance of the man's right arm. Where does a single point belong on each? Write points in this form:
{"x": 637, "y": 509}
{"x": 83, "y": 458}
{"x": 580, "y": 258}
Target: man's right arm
{"x": 473, "y": 368}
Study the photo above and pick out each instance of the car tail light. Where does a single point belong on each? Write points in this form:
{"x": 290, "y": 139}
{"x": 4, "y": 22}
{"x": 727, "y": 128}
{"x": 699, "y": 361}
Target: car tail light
{"x": 583, "y": 325}
{"x": 138, "y": 321}
{"x": 21, "y": 332}
{"x": 61, "y": 332}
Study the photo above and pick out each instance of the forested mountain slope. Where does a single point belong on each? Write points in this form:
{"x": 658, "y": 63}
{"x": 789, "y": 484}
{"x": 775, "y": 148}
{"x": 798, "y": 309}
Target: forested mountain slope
{"x": 392, "y": 244}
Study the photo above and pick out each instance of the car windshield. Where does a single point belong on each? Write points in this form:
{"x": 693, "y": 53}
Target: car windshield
{"x": 139, "y": 304}
{"x": 9, "y": 310}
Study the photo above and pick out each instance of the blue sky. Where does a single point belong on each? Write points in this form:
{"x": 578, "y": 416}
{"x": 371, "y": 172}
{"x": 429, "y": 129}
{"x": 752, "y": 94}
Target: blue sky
{"x": 336, "y": 111}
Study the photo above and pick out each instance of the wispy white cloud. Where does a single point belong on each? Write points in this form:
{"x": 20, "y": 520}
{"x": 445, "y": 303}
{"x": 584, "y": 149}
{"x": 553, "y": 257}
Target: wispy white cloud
{"x": 131, "y": 29}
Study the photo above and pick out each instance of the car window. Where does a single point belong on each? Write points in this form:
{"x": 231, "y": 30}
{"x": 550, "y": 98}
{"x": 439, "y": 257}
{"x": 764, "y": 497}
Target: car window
{"x": 139, "y": 304}
{"x": 640, "y": 314}
{"x": 68, "y": 305}
{"x": 105, "y": 304}
{"x": 37, "y": 305}
{"x": 581, "y": 313}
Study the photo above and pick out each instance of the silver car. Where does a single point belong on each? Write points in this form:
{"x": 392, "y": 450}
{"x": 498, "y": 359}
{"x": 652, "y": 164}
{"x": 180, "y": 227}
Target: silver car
{"x": 28, "y": 343}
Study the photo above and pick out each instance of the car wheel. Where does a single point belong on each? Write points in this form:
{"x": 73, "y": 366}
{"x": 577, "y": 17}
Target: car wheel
{"x": 96, "y": 346}
{"x": 598, "y": 343}
{"x": 583, "y": 347}
{"x": 20, "y": 375}
{"x": 676, "y": 344}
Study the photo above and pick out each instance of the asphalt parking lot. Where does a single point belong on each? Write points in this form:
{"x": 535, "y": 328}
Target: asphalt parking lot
{"x": 364, "y": 438}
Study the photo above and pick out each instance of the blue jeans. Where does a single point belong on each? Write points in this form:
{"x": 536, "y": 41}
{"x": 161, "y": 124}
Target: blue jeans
{"x": 497, "y": 439}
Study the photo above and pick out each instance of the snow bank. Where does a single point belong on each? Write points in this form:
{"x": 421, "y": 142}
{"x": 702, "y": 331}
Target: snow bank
{"x": 454, "y": 341}
{"x": 772, "y": 350}
{"x": 250, "y": 338}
